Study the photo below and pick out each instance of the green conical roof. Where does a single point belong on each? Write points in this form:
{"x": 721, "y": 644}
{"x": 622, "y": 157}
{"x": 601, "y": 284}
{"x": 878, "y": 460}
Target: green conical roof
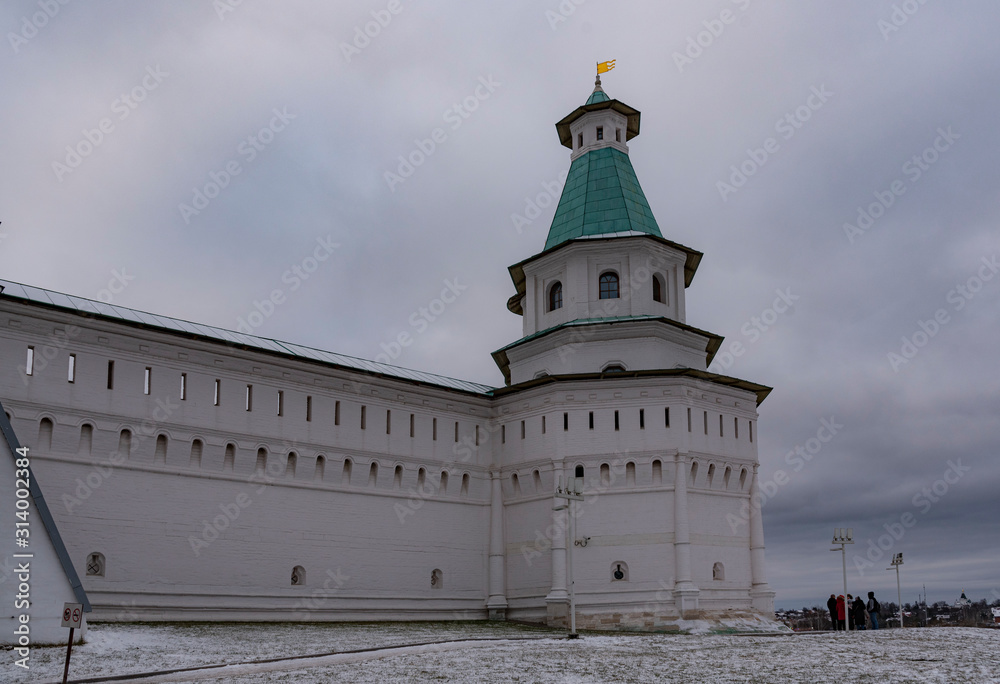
{"x": 602, "y": 196}
{"x": 597, "y": 96}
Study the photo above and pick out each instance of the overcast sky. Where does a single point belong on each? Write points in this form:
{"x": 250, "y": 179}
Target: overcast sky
{"x": 826, "y": 107}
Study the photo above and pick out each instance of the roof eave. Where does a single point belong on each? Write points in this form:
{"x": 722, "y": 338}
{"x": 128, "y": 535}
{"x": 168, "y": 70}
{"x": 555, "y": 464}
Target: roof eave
{"x": 631, "y": 127}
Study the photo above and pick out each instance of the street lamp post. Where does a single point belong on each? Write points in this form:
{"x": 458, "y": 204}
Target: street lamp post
{"x": 897, "y": 560}
{"x": 570, "y": 493}
{"x": 844, "y": 536}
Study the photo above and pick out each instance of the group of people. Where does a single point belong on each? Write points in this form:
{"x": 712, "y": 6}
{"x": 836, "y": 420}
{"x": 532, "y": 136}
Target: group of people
{"x": 853, "y": 613}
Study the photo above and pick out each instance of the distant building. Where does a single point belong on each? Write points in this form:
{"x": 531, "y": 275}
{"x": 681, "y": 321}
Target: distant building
{"x": 963, "y": 601}
{"x": 996, "y": 615}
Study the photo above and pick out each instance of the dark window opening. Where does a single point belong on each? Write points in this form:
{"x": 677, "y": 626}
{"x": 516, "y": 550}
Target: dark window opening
{"x": 609, "y": 286}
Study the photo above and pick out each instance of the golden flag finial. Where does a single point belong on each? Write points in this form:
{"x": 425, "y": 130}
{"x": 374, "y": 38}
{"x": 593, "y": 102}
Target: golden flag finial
{"x": 604, "y": 67}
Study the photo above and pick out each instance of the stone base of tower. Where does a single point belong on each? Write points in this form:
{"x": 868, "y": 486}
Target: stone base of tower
{"x": 699, "y": 622}
{"x": 762, "y": 600}
{"x": 557, "y": 613}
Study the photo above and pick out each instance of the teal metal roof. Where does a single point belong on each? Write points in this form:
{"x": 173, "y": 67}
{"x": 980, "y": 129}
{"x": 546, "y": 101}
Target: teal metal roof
{"x": 597, "y": 96}
{"x": 601, "y": 197}
{"x": 89, "y": 307}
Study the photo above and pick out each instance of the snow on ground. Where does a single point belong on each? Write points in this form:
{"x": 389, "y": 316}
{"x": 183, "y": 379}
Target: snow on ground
{"x": 522, "y": 654}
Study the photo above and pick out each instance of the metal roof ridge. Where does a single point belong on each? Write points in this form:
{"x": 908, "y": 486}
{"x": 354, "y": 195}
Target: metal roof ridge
{"x": 231, "y": 336}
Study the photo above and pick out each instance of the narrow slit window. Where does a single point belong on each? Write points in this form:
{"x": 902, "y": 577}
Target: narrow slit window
{"x": 412, "y": 425}
{"x": 750, "y": 424}
{"x": 666, "y": 417}
{"x": 642, "y": 419}
{"x": 477, "y": 435}
{"x": 147, "y": 380}
{"x": 618, "y": 135}
{"x": 111, "y": 374}
{"x": 579, "y": 140}
{"x": 706, "y": 422}
{"x": 565, "y": 422}
{"x": 434, "y": 429}
{"x": 456, "y": 431}
{"x": 364, "y": 411}
{"x": 503, "y": 434}
{"x": 29, "y": 364}
{"x": 309, "y": 409}
{"x": 617, "y": 426}
{"x": 249, "y": 398}
{"x": 720, "y": 426}
{"x": 689, "y": 420}
{"x": 591, "y": 420}
{"x": 184, "y": 386}
{"x": 218, "y": 386}
{"x": 281, "y": 403}
{"x": 543, "y": 425}
{"x": 336, "y": 413}
{"x": 522, "y": 429}
{"x": 388, "y": 422}
{"x": 736, "y": 427}
{"x": 71, "y": 375}
{"x": 600, "y": 132}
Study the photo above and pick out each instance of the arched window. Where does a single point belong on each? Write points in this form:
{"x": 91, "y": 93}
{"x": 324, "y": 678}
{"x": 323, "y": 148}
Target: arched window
{"x": 465, "y": 484}
{"x": 719, "y": 572}
{"x": 694, "y": 471}
{"x": 711, "y": 473}
{"x": 261, "y": 461}
{"x": 197, "y": 446}
{"x": 726, "y": 475}
{"x": 45, "y": 434}
{"x": 95, "y": 565}
{"x": 444, "y": 481}
{"x": 373, "y": 475}
{"x": 320, "y": 468}
{"x": 397, "y": 477}
{"x": 86, "y": 439}
{"x": 515, "y": 484}
{"x": 537, "y": 477}
{"x": 437, "y": 579}
{"x": 630, "y": 474}
{"x": 657, "y": 472}
{"x": 555, "y": 296}
{"x": 658, "y": 289}
{"x": 743, "y": 478}
{"x": 345, "y": 478}
{"x": 229, "y": 461}
{"x": 298, "y": 576}
{"x": 125, "y": 443}
{"x": 605, "y": 475}
{"x": 290, "y": 464}
{"x": 160, "y": 453}
{"x": 609, "y": 285}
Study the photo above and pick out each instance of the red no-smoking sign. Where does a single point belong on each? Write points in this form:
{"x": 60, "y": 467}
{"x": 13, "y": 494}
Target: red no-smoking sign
{"x": 72, "y": 615}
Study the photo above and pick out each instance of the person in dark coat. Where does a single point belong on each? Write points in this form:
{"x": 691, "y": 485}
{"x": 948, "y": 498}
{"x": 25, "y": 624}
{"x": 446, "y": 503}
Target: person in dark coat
{"x": 841, "y": 613}
{"x": 849, "y": 607}
{"x": 873, "y": 609}
{"x": 859, "y": 612}
{"x": 831, "y": 605}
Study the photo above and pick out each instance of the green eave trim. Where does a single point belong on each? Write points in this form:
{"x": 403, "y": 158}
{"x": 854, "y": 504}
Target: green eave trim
{"x": 760, "y": 390}
{"x": 602, "y": 195}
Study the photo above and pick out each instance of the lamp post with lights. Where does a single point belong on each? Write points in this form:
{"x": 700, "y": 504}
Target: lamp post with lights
{"x": 844, "y": 536}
